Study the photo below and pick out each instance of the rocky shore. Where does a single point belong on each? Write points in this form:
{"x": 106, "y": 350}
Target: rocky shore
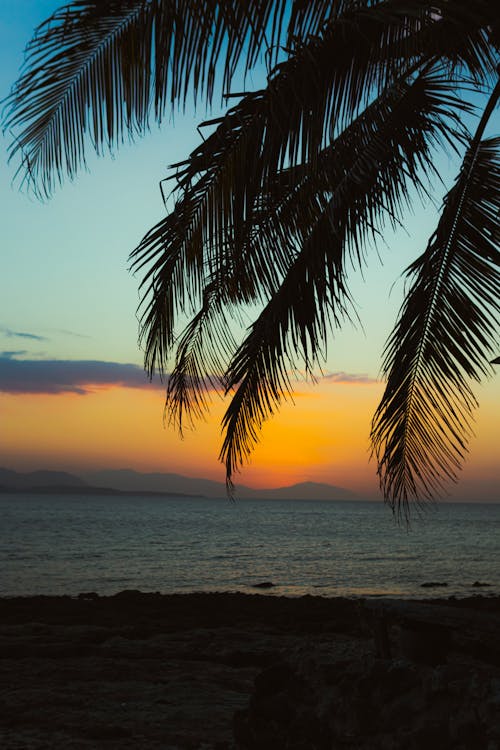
{"x": 248, "y": 672}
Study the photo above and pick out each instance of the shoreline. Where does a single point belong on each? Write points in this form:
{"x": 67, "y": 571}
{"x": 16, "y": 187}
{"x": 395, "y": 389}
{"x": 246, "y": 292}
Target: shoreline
{"x": 268, "y": 589}
{"x": 428, "y": 592}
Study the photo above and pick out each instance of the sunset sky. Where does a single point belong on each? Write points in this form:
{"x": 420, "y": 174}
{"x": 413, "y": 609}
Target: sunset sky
{"x": 73, "y": 394}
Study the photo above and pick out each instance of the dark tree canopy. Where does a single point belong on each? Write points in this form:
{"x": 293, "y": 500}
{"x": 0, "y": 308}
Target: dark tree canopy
{"x": 289, "y": 187}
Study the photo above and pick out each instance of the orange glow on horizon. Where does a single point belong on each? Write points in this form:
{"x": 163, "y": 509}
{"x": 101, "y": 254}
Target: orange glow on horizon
{"x": 322, "y": 436}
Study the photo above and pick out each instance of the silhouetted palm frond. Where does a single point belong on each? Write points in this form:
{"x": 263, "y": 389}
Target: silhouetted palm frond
{"x": 96, "y": 70}
{"x": 360, "y": 189}
{"x": 446, "y": 332}
{"x": 203, "y": 352}
{"x": 296, "y": 211}
{"x": 308, "y": 98}
{"x": 189, "y": 244}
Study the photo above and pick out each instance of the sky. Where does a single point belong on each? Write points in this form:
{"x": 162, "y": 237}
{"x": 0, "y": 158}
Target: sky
{"x": 73, "y": 394}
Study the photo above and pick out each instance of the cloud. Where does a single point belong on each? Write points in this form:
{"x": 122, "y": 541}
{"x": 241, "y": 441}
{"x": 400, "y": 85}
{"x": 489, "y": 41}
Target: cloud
{"x": 12, "y": 354}
{"x": 22, "y": 335}
{"x": 55, "y": 376}
{"x": 67, "y": 376}
{"x": 66, "y": 332}
{"x": 349, "y": 377}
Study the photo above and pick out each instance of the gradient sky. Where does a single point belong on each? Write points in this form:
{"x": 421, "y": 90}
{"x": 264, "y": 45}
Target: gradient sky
{"x": 72, "y": 392}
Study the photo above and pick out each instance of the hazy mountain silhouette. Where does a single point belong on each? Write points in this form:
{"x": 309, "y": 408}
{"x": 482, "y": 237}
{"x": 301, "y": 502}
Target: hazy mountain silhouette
{"x": 42, "y": 478}
{"x": 127, "y": 479}
{"x": 130, "y": 481}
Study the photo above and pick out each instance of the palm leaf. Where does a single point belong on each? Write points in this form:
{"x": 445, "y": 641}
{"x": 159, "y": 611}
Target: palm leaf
{"x": 99, "y": 68}
{"x": 202, "y": 354}
{"x": 94, "y": 71}
{"x": 393, "y": 142}
{"x": 280, "y": 222}
{"x": 189, "y": 244}
{"x": 444, "y": 336}
{"x": 223, "y": 177}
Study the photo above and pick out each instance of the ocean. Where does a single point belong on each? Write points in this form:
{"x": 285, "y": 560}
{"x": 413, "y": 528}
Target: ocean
{"x": 69, "y": 544}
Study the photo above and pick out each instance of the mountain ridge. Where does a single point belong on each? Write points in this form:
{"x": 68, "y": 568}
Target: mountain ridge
{"x": 157, "y": 481}
{"x": 129, "y": 481}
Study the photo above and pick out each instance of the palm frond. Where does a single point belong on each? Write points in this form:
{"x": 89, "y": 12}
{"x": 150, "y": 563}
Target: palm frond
{"x": 202, "y": 355}
{"x": 393, "y": 142}
{"x": 296, "y": 320}
{"x": 455, "y": 33}
{"x": 444, "y": 336}
{"x": 189, "y": 244}
{"x": 96, "y": 70}
{"x": 239, "y": 161}
{"x": 186, "y": 246}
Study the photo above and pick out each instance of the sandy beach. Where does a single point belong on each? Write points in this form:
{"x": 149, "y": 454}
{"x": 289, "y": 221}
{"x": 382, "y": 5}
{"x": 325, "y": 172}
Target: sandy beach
{"x": 227, "y": 671}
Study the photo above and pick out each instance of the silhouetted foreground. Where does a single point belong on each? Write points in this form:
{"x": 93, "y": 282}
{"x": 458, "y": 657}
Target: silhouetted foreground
{"x": 227, "y": 671}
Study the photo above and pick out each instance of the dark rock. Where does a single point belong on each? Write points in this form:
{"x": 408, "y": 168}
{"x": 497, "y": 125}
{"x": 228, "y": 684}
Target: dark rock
{"x": 432, "y": 734}
{"x": 106, "y": 732}
{"x": 251, "y": 732}
{"x": 278, "y": 708}
{"x": 367, "y": 703}
{"x": 263, "y": 585}
{"x": 424, "y": 643}
{"x": 464, "y": 729}
{"x": 90, "y": 596}
{"x": 274, "y": 679}
{"x": 308, "y": 730}
{"x": 128, "y": 594}
{"x": 480, "y": 584}
{"x": 239, "y": 658}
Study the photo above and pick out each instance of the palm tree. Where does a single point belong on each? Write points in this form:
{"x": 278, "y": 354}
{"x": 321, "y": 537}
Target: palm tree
{"x": 294, "y": 182}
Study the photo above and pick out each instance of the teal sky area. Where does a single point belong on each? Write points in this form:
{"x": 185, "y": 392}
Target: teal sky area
{"x": 65, "y": 275}
{"x": 65, "y": 289}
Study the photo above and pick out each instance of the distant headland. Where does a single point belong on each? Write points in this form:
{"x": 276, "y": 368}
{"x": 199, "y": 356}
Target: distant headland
{"x": 130, "y": 482}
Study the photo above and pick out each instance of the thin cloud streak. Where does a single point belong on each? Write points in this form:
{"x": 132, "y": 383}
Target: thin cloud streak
{"x": 10, "y": 334}
{"x": 349, "y": 378}
{"x": 75, "y": 334}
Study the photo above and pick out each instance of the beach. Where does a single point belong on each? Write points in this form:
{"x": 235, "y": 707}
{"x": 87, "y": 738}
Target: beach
{"x": 230, "y": 671}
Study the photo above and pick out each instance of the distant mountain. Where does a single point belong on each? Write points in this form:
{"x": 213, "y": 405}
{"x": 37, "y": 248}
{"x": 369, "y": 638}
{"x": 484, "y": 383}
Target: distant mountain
{"x": 20, "y": 481}
{"x": 127, "y": 481}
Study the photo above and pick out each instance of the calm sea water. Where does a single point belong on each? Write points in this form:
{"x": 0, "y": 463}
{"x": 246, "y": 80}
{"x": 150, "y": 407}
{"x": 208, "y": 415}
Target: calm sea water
{"x": 71, "y": 544}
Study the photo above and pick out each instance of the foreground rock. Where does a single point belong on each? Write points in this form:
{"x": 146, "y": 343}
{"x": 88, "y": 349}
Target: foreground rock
{"x": 314, "y": 702}
{"x": 432, "y": 681}
{"x": 220, "y": 672}
{"x": 145, "y": 671}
